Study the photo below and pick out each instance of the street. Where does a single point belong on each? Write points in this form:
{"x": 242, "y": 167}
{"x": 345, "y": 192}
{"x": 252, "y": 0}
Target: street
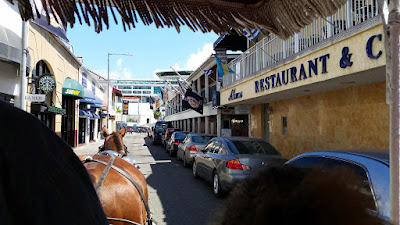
{"x": 175, "y": 197}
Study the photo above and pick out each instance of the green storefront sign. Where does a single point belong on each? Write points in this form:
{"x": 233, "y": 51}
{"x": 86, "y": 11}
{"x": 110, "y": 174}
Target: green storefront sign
{"x": 56, "y": 110}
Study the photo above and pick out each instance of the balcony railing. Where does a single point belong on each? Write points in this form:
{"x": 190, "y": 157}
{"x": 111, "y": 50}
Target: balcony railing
{"x": 272, "y": 49}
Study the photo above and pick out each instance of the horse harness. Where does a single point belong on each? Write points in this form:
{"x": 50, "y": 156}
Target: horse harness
{"x": 99, "y": 183}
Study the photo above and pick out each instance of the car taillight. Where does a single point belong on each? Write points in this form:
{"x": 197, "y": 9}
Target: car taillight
{"x": 175, "y": 142}
{"x": 193, "y": 148}
{"x": 236, "y": 165}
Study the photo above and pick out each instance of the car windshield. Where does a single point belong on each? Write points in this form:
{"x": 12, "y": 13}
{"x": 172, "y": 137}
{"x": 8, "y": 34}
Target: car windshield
{"x": 161, "y": 128}
{"x": 201, "y": 139}
{"x": 252, "y": 147}
{"x": 180, "y": 135}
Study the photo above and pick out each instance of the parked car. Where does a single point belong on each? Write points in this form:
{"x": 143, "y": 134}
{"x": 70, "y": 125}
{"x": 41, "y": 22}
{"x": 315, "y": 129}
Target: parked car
{"x": 191, "y": 146}
{"x": 371, "y": 165}
{"x": 150, "y": 131}
{"x": 167, "y": 135}
{"x": 227, "y": 161}
{"x": 159, "y": 130}
{"x": 172, "y": 143}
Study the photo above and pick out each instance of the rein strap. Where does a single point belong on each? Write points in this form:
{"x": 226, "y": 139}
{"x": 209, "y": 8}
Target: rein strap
{"x": 104, "y": 174}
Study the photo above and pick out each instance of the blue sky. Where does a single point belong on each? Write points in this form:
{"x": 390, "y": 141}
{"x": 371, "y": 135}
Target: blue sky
{"x": 153, "y": 49}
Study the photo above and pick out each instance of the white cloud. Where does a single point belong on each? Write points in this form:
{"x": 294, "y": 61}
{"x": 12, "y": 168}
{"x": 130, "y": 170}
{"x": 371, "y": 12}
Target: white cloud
{"x": 120, "y": 72}
{"x": 119, "y": 62}
{"x": 196, "y": 59}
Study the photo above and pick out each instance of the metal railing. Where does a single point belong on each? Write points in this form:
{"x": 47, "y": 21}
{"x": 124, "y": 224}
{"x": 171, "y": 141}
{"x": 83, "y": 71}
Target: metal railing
{"x": 272, "y": 49}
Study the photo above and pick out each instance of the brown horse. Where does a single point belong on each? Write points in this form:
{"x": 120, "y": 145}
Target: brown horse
{"x": 119, "y": 197}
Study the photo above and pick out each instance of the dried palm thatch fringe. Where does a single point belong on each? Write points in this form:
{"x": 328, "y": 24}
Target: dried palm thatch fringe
{"x": 282, "y": 17}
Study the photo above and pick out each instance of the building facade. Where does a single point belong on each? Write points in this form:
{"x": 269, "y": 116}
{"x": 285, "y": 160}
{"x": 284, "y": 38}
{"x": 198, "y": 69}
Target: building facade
{"x": 322, "y": 89}
{"x": 91, "y": 118}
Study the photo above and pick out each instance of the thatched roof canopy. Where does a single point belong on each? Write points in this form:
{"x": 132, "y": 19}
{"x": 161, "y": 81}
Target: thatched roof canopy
{"x": 282, "y": 17}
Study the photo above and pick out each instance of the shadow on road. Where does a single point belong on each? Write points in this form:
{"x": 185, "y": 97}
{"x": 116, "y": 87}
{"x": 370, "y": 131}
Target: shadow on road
{"x": 185, "y": 200}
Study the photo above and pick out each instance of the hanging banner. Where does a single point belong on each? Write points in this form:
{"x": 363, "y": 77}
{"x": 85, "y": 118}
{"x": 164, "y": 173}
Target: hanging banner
{"x": 193, "y": 101}
{"x": 125, "y": 107}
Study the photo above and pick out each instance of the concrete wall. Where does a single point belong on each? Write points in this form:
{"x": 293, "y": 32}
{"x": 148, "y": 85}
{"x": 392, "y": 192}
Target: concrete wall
{"x": 350, "y": 118}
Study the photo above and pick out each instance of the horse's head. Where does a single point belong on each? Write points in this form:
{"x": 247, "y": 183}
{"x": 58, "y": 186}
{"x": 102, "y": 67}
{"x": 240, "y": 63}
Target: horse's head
{"x": 114, "y": 141}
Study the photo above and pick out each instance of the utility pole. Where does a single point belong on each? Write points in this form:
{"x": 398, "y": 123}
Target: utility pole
{"x": 24, "y": 55}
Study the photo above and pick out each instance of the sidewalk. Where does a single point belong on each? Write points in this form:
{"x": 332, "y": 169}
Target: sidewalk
{"x": 91, "y": 148}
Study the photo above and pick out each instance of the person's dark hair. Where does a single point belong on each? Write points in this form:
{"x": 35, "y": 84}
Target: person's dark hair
{"x": 286, "y": 196}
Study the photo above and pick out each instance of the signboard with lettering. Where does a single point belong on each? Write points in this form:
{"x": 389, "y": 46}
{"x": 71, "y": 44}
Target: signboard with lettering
{"x": 35, "y": 98}
{"x": 111, "y": 117}
{"x": 235, "y": 95}
{"x": 56, "y": 110}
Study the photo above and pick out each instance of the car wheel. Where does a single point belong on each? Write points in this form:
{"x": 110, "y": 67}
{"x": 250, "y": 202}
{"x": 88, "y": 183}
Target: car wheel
{"x": 195, "y": 170}
{"x": 216, "y": 185}
{"x": 185, "y": 163}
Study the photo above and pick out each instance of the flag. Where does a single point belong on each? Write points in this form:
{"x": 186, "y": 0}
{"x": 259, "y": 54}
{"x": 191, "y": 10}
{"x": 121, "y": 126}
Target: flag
{"x": 182, "y": 88}
{"x": 251, "y": 34}
{"x": 207, "y": 72}
{"x": 222, "y": 69}
{"x": 152, "y": 101}
{"x": 192, "y": 101}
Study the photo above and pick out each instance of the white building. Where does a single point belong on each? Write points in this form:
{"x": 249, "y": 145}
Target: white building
{"x": 137, "y": 93}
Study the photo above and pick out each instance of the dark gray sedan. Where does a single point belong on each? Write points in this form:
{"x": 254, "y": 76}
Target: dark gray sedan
{"x": 191, "y": 147}
{"x": 371, "y": 165}
{"x": 227, "y": 161}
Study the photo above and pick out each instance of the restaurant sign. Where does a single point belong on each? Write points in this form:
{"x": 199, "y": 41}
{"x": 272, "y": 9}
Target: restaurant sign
{"x": 46, "y": 83}
{"x": 310, "y": 68}
{"x": 56, "y": 110}
{"x": 35, "y": 97}
{"x": 72, "y": 92}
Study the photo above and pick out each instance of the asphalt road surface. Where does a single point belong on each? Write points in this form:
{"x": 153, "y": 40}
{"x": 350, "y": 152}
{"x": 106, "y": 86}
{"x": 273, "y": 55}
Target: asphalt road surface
{"x": 176, "y": 197}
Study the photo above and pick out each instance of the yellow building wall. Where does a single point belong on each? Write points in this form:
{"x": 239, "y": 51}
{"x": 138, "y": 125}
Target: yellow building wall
{"x": 361, "y": 62}
{"x": 43, "y": 46}
{"x": 351, "y": 118}
{"x": 257, "y": 121}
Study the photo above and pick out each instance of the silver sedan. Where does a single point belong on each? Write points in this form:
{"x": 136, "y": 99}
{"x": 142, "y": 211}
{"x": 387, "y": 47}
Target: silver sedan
{"x": 371, "y": 165}
{"x": 227, "y": 161}
{"x": 191, "y": 147}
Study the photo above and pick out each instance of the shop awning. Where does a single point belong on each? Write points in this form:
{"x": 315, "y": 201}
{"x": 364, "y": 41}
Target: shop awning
{"x": 72, "y": 88}
{"x": 88, "y": 96}
{"x": 98, "y": 103}
{"x": 83, "y": 113}
{"x": 96, "y": 116}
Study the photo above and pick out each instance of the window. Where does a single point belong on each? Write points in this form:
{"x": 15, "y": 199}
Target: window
{"x": 284, "y": 125}
{"x": 216, "y": 147}
{"x": 252, "y": 147}
{"x": 331, "y": 164}
{"x": 180, "y": 135}
{"x": 209, "y": 147}
{"x": 201, "y": 139}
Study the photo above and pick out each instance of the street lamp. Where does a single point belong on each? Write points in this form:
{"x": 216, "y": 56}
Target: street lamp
{"x": 108, "y": 85}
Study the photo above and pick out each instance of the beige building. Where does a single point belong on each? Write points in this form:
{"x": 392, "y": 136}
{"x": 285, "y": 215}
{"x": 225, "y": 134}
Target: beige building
{"x": 52, "y": 59}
